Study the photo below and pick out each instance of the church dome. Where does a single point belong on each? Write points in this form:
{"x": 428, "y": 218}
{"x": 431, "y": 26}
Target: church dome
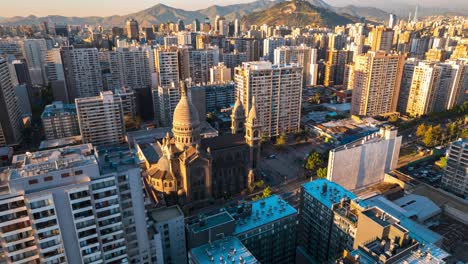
{"x": 186, "y": 123}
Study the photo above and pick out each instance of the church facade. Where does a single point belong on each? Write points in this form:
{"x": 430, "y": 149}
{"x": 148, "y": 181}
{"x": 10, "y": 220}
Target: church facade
{"x": 192, "y": 170}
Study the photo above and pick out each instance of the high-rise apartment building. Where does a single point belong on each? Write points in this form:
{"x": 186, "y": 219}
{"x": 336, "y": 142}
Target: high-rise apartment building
{"x": 101, "y": 119}
{"x": 234, "y": 59}
{"x": 82, "y": 72}
{"x": 220, "y": 74}
{"x": 376, "y": 85}
{"x": 131, "y": 67}
{"x": 381, "y": 39}
{"x": 169, "y": 223}
{"x": 269, "y": 46}
{"x": 455, "y": 177}
{"x": 200, "y": 62}
{"x": 11, "y": 123}
{"x": 335, "y": 66}
{"x": 59, "y": 120}
{"x": 35, "y": 51}
{"x": 365, "y": 161}
{"x": 278, "y": 93}
{"x": 302, "y": 55}
{"x": 167, "y": 65}
{"x": 212, "y": 97}
{"x": 73, "y": 205}
{"x": 405, "y": 86}
{"x": 424, "y": 88}
{"x": 133, "y": 30}
{"x": 452, "y": 87}
{"x": 165, "y": 100}
{"x": 321, "y": 236}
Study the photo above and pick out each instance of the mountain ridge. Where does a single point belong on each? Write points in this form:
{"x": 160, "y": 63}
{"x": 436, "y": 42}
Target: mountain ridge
{"x": 161, "y": 13}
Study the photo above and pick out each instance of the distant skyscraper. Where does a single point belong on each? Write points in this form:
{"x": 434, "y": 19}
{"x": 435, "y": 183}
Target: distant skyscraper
{"x": 10, "y": 113}
{"x": 166, "y": 62}
{"x": 376, "y": 85}
{"x": 269, "y": 46}
{"x": 101, "y": 119}
{"x": 392, "y": 20}
{"x": 278, "y": 93}
{"x": 381, "y": 38}
{"x": 335, "y": 66}
{"x": 35, "y": 52}
{"x": 133, "y": 30}
{"x": 82, "y": 72}
{"x": 455, "y": 177}
{"x": 196, "y": 25}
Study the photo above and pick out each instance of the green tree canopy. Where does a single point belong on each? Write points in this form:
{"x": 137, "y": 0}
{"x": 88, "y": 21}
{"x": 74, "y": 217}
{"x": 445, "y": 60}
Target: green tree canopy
{"x": 322, "y": 173}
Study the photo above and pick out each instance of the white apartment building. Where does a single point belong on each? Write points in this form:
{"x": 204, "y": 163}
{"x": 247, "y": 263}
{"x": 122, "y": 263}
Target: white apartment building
{"x": 73, "y": 205}
{"x": 82, "y": 72}
{"x": 59, "y": 120}
{"x": 101, "y": 119}
{"x": 165, "y": 100}
{"x": 455, "y": 177}
{"x": 424, "y": 84}
{"x": 302, "y": 55}
{"x": 131, "y": 67}
{"x": 376, "y": 84}
{"x": 220, "y": 74}
{"x": 35, "y": 51}
{"x": 166, "y": 64}
{"x": 278, "y": 94}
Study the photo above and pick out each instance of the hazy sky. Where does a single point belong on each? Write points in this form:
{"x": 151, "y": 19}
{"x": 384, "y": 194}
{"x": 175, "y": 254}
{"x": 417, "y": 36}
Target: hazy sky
{"x": 9, "y": 8}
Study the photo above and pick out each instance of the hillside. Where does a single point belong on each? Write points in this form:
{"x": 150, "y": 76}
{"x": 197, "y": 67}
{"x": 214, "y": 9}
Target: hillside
{"x": 297, "y": 14}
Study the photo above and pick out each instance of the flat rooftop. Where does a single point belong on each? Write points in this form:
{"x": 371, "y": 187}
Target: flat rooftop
{"x": 166, "y": 213}
{"x": 116, "y": 158}
{"x": 211, "y": 222}
{"x": 61, "y": 142}
{"x": 40, "y": 162}
{"x": 227, "y": 250}
{"x": 326, "y": 192}
{"x": 264, "y": 211}
{"x": 417, "y": 231}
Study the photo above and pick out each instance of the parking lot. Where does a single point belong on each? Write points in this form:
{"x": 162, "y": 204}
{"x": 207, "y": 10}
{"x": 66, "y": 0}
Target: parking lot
{"x": 287, "y": 163}
{"x": 424, "y": 171}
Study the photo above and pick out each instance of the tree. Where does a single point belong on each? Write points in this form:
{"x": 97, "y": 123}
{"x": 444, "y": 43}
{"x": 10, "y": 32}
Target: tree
{"x": 281, "y": 140}
{"x": 313, "y": 161}
{"x": 316, "y": 98}
{"x": 393, "y": 118}
{"x": 266, "y": 192}
{"x": 428, "y": 137}
{"x": 421, "y": 130}
{"x": 322, "y": 173}
{"x": 442, "y": 163}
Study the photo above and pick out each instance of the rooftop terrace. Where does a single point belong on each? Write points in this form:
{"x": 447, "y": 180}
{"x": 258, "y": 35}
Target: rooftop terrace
{"x": 211, "y": 222}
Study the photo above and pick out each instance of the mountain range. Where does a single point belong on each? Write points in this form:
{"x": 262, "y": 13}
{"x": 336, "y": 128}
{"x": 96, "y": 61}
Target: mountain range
{"x": 298, "y": 14}
{"x": 161, "y": 13}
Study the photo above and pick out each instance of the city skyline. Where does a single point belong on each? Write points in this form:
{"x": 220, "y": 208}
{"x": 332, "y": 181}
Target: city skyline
{"x": 88, "y": 8}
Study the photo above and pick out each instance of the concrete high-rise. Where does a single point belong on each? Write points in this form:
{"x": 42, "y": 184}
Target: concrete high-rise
{"x": 335, "y": 66}
{"x": 269, "y": 46}
{"x": 10, "y": 114}
{"x": 278, "y": 92}
{"x": 200, "y": 62}
{"x": 101, "y": 119}
{"x": 73, "y": 205}
{"x": 455, "y": 177}
{"x": 55, "y": 74}
{"x": 381, "y": 38}
{"x": 302, "y": 55}
{"x": 376, "y": 85}
{"x": 423, "y": 91}
{"x": 82, "y": 72}
{"x": 365, "y": 161}
{"x": 59, "y": 120}
{"x": 35, "y": 51}
{"x": 220, "y": 74}
{"x": 166, "y": 64}
{"x": 452, "y": 88}
{"x": 405, "y": 86}
{"x": 165, "y": 100}
{"x": 131, "y": 67}
{"x": 133, "y": 30}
